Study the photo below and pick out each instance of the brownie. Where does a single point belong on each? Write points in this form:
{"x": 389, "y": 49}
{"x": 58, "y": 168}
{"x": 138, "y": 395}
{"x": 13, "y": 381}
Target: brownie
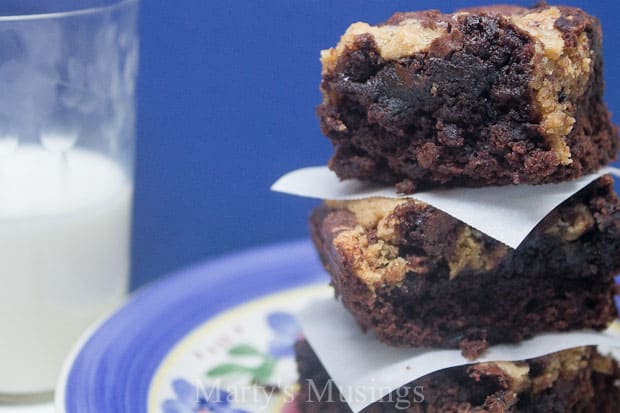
{"x": 576, "y": 380}
{"x": 485, "y": 96}
{"x": 418, "y": 277}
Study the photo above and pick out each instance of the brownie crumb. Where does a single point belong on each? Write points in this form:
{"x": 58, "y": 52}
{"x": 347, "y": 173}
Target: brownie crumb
{"x": 472, "y": 349}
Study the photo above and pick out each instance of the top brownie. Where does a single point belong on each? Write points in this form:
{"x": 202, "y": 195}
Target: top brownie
{"x": 486, "y": 96}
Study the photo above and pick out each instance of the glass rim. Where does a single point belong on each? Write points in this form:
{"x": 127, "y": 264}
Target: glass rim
{"x": 69, "y": 13}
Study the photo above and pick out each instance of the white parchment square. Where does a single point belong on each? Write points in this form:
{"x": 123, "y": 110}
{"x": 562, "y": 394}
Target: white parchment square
{"x": 507, "y": 213}
{"x": 366, "y": 369}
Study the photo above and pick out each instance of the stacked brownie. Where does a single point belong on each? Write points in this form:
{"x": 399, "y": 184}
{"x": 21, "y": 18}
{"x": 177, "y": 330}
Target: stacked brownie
{"x": 488, "y": 96}
{"x": 575, "y": 380}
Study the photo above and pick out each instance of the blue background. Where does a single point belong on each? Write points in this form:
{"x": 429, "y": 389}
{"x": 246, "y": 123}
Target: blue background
{"x": 227, "y": 94}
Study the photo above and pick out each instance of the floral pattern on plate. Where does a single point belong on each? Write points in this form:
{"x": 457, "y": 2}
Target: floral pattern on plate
{"x": 239, "y": 362}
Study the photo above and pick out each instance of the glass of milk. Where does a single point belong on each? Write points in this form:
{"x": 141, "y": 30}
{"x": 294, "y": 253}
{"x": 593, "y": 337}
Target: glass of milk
{"x": 67, "y": 78}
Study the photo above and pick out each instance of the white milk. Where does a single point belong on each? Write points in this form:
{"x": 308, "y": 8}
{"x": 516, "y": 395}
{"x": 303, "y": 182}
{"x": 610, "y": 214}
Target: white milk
{"x": 64, "y": 257}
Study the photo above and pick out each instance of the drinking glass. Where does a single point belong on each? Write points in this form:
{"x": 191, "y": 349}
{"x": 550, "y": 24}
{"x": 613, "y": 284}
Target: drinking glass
{"x": 67, "y": 119}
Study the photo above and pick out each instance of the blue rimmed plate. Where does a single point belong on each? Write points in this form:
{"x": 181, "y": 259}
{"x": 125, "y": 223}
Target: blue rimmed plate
{"x": 216, "y": 337}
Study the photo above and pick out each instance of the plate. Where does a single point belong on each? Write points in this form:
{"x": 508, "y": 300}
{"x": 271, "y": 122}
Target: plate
{"x": 216, "y": 337}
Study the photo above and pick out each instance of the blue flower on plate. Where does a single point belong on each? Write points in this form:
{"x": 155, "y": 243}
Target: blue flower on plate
{"x": 190, "y": 400}
{"x": 285, "y": 330}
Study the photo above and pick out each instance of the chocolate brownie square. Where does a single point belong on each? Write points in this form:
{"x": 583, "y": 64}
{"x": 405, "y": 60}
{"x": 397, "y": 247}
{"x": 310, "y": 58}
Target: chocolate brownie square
{"x": 486, "y": 96}
{"x": 575, "y": 380}
{"x": 416, "y": 276}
